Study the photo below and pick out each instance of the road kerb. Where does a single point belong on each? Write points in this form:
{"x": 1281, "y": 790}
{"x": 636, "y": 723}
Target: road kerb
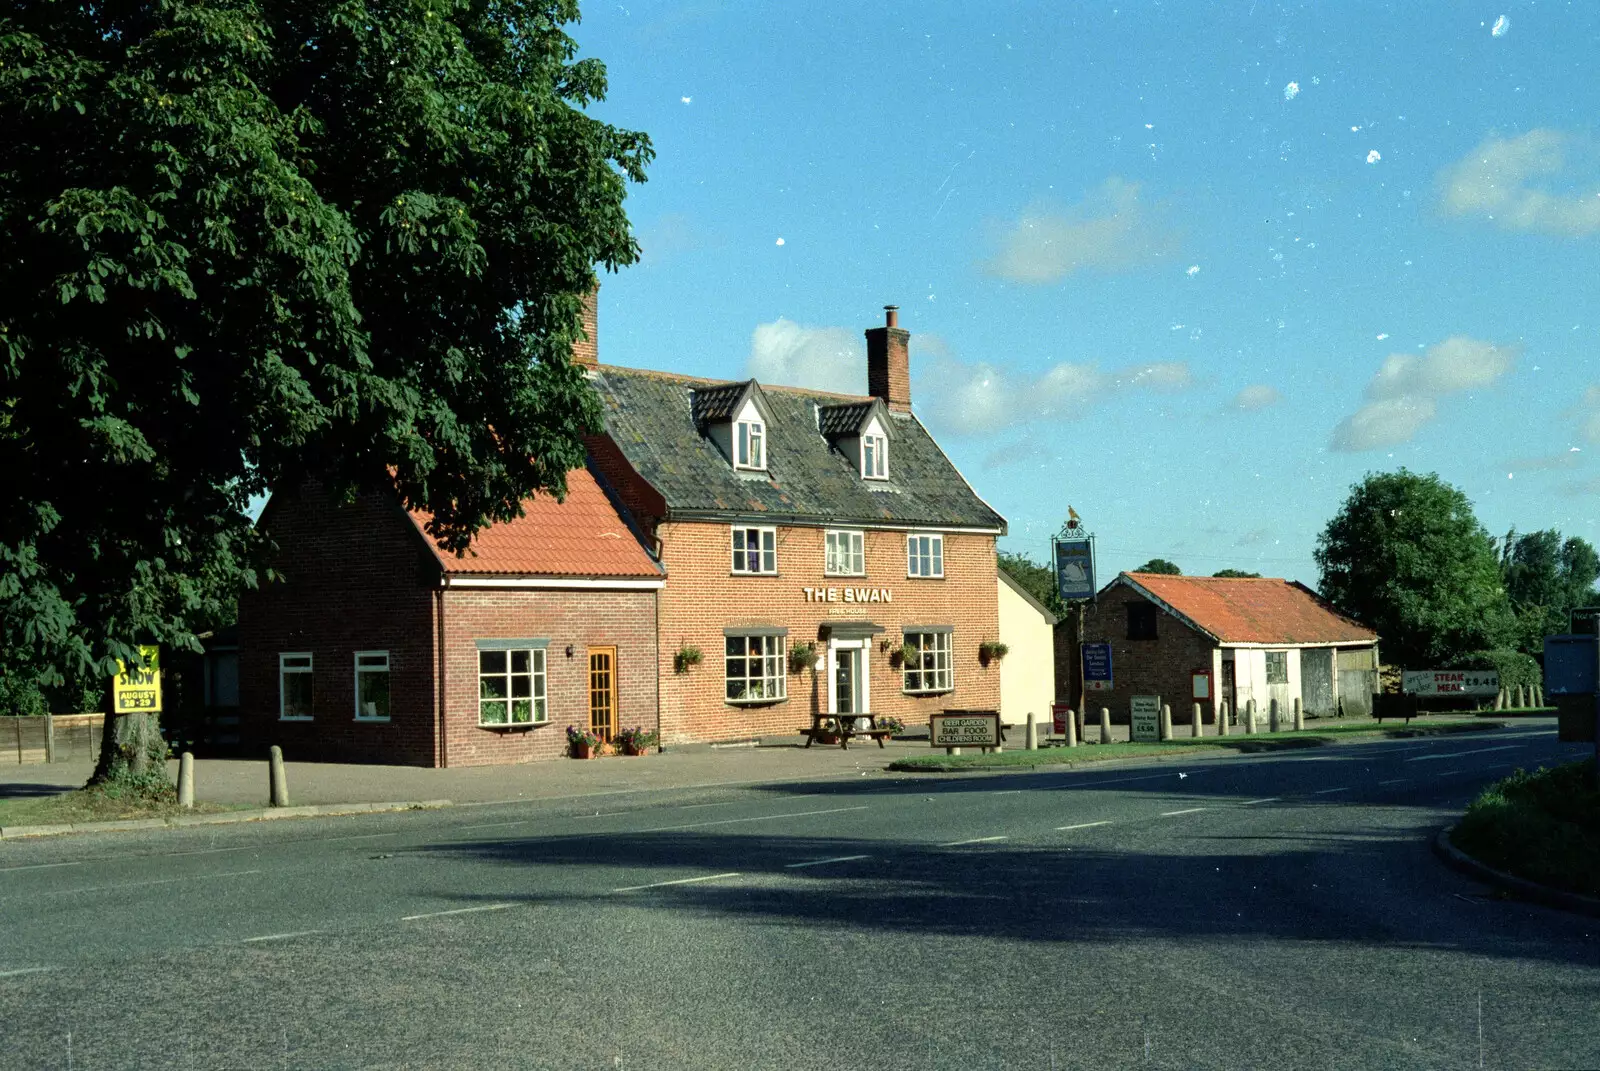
{"x": 1459, "y": 860}
{"x": 318, "y": 810}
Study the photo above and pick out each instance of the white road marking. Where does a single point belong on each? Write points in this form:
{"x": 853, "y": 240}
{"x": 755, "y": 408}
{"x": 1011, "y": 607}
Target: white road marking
{"x": 24, "y": 970}
{"x": 1084, "y": 825}
{"x": 1008, "y": 792}
{"x": 1186, "y": 810}
{"x": 1459, "y": 754}
{"x": 1265, "y": 799}
{"x": 456, "y": 911}
{"x": 974, "y": 840}
{"x": 1395, "y": 781}
{"x": 1448, "y": 773}
{"x": 757, "y": 818}
{"x": 160, "y": 881}
{"x": 1331, "y": 791}
{"x": 680, "y": 881}
{"x": 219, "y": 851}
{"x": 36, "y": 866}
{"x": 497, "y": 825}
{"x": 820, "y": 862}
{"x": 280, "y": 936}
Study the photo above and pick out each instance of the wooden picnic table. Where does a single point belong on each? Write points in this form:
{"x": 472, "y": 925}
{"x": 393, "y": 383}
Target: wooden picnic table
{"x": 844, "y": 727}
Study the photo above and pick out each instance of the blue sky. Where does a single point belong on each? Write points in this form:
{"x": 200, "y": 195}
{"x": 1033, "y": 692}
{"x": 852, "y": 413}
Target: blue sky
{"x": 1192, "y": 268}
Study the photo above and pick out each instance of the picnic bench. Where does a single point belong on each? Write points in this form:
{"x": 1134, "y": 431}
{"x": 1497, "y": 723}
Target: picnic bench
{"x": 843, "y": 726}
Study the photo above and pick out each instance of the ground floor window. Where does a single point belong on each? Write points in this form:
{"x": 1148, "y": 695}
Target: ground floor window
{"x": 927, "y": 665}
{"x": 754, "y": 669}
{"x": 1277, "y": 667}
{"x": 511, "y": 686}
{"x": 294, "y": 686}
{"x": 372, "y": 685}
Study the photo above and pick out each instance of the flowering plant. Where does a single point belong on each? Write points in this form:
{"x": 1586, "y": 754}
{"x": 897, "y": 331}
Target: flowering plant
{"x": 894, "y": 725}
{"x": 577, "y": 738}
{"x": 636, "y": 737}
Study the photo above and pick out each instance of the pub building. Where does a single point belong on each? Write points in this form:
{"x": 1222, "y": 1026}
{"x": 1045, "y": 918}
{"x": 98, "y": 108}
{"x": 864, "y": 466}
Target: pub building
{"x": 734, "y": 559}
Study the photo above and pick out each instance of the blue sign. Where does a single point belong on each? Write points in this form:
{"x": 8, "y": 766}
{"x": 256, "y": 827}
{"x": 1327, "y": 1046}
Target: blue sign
{"x": 1097, "y": 667}
{"x": 1074, "y": 569}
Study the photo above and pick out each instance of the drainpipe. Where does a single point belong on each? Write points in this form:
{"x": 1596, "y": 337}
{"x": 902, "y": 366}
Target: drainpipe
{"x": 444, "y": 731}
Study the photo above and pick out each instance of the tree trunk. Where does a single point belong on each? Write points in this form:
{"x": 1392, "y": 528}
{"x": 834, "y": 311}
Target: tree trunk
{"x": 133, "y": 754}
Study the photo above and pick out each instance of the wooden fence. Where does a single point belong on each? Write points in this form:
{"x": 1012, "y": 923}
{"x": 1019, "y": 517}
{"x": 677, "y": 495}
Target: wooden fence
{"x": 50, "y": 738}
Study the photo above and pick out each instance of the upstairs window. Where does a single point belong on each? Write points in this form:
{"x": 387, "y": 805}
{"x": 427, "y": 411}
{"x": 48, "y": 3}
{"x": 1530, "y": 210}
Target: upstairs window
{"x": 846, "y": 554}
{"x": 874, "y": 457}
{"x": 755, "y": 550}
{"x": 1141, "y": 621}
{"x": 1277, "y": 667}
{"x": 749, "y": 445}
{"x": 925, "y": 556}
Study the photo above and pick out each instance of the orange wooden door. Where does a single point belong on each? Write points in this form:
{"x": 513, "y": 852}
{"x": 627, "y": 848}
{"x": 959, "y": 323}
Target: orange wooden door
{"x": 603, "y": 691}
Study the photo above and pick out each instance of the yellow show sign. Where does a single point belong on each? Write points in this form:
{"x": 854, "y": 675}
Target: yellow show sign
{"x": 138, "y": 691}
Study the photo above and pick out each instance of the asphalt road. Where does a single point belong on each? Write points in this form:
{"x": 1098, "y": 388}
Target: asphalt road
{"x": 1240, "y": 911}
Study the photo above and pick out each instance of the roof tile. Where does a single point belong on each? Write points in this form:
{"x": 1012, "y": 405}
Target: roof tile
{"x": 1254, "y": 610}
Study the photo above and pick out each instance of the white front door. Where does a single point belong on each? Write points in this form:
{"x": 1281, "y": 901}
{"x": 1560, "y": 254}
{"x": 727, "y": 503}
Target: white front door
{"x": 848, "y": 692}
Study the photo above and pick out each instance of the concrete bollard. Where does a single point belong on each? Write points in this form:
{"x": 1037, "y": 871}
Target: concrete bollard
{"x": 1105, "y": 725}
{"x": 1250, "y": 716}
{"x": 1166, "y": 722}
{"x": 1299, "y": 715}
{"x": 1031, "y": 741}
{"x": 186, "y": 781}
{"x": 1199, "y": 722}
{"x": 1222, "y": 718}
{"x": 1082, "y": 714}
{"x": 1500, "y": 699}
{"x": 49, "y": 738}
{"x": 279, "y": 783}
{"x": 1072, "y": 728}
{"x": 952, "y": 751}
{"x": 1522, "y": 699}
{"x": 1538, "y": 695}
{"x": 1272, "y": 716}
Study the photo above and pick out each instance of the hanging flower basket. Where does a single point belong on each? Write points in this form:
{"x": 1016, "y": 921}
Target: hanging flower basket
{"x": 992, "y": 651}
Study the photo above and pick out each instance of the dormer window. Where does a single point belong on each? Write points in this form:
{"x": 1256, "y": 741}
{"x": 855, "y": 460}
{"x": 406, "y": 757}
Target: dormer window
{"x": 874, "y": 457}
{"x": 749, "y": 445}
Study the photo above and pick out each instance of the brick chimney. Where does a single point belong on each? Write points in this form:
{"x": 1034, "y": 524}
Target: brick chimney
{"x": 889, "y": 362}
{"x": 586, "y": 350}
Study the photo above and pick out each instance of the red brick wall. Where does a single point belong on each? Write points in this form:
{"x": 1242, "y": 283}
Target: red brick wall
{"x": 356, "y": 579}
{"x": 1139, "y": 667}
{"x": 701, "y": 598}
{"x": 621, "y": 619}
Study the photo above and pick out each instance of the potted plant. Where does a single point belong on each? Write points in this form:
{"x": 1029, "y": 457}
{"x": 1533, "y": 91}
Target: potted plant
{"x": 828, "y": 731}
{"x": 636, "y": 741}
{"x": 581, "y": 743}
{"x": 992, "y": 651}
{"x": 894, "y": 726}
{"x": 905, "y": 655}
{"x": 802, "y": 656}
{"x": 688, "y": 655}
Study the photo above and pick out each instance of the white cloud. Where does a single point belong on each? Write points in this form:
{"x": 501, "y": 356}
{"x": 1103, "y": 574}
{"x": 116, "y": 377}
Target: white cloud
{"x": 1403, "y": 396}
{"x": 974, "y": 398}
{"x": 1109, "y": 230}
{"x": 1495, "y": 181}
{"x": 1256, "y": 396}
{"x": 822, "y": 358}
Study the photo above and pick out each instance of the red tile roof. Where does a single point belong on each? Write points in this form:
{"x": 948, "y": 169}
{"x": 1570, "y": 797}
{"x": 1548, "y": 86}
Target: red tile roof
{"x": 581, "y": 537}
{"x": 1253, "y": 610}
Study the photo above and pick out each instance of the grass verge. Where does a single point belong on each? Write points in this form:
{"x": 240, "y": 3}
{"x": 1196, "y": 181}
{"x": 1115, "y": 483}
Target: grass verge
{"x": 93, "y": 805}
{"x": 1251, "y": 744}
{"x": 1543, "y": 826}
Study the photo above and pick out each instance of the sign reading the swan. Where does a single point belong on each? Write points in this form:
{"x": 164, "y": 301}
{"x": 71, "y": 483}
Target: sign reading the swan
{"x": 848, "y": 594}
{"x": 1464, "y": 682}
{"x": 1074, "y": 568}
{"x": 138, "y": 691}
{"x": 964, "y": 728}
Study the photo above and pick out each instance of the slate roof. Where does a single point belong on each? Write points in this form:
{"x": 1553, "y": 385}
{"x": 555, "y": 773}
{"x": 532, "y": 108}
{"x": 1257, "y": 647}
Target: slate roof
{"x": 649, "y": 416}
{"x": 847, "y": 419}
{"x": 1251, "y": 610}
{"x": 718, "y": 403}
{"x": 581, "y": 537}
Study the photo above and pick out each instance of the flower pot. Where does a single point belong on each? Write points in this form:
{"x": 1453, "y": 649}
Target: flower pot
{"x": 634, "y": 749}
{"x": 582, "y": 751}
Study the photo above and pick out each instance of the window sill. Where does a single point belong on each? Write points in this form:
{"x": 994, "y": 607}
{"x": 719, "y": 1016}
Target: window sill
{"x": 297, "y": 717}
{"x": 509, "y": 726}
{"x": 915, "y": 576}
{"x": 756, "y": 702}
{"x": 736, "y": 573}
{"x": 373, "y": 721}
{"x": 845, "y": 576}
{"x": 934, "y": 694}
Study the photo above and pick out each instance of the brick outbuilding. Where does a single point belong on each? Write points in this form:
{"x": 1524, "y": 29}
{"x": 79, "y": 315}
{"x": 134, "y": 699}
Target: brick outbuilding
{"x": 1252, "y": 638}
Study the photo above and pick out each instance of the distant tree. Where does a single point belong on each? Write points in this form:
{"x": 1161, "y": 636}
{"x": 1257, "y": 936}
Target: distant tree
{"x": 245, "y": 244}
{"x": 1159, "y": 565}
{"x": 1545, "y": 578}
{"x": 1035, "y": 578}
{"x": 1406, "y": 556}
{"x": 1236, "y": 574}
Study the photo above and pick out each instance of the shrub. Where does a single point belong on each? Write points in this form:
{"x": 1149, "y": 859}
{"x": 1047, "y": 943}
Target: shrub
{"x": 1543, "y": 826}
{"x": 1515, "y": 668}
{"x": 577, "y": 737}
{"x": 802, "y": 656}
{"x": 687, "y": 655}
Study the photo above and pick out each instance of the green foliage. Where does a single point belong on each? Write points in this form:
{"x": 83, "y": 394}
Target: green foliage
{"x": 1515, "y": 668}
{"x": 688, "y": 655}
{"x": 247, "y": 244}
{"x": 802, "y": 656}
{"x": 1546, "y": 578}
{"x": 1038, "y": 580}
{"x": 1159, "y": 565}
{"x": 21, "y": 696}
{"x": 992, "y": 651}
{"x": 1237, "y": 574}
{"x": 1543, "y": 826}
{"x": 637, "y": 737}
{"x": 1406, "y": 556}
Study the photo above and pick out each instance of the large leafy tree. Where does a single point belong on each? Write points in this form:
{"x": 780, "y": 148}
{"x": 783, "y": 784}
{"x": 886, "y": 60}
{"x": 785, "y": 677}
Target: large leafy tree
{"x": 1406, "y": 556}
{"x": 1160, "y": 565}
{"x": 1036, "y": 578}
{"x": 248, "y": 242}
{"x": 1546, "y": 577}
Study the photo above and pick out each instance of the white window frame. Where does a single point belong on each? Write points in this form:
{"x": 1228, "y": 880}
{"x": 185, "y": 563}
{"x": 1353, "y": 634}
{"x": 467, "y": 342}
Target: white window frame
{"x": 848, "y": 544}
{"x": 287, "y": 670}
{"x": 538, "y": 685}
{"x": 371, "y": 667}
{"x": 934, "y": 554}
{"x": 766, "y": 552}
{"x": 874, "y": 457}
{"x": 772, "y": 681}
{"x": 1266, "y": 667}
{"x": 941, "y": 677}
{"x": 750, "y": 445}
